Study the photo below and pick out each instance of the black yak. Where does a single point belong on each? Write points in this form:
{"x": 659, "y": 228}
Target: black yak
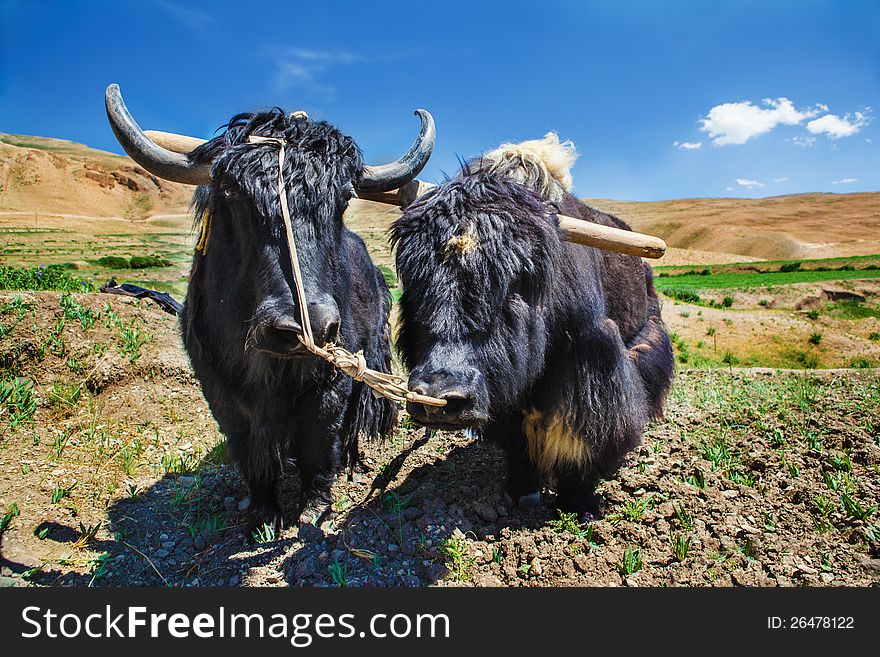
{"x": 555, "y": 351}
{"x": 275, "y": 401}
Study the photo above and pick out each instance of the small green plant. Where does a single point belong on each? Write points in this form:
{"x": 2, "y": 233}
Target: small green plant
{"x": 60, "y": 492}
{"x": 855, "y": 509}
{"x": 131, "y": 339}
{"x": 87, "y": 535}
{"x": 74, "y": 311}
{"x": 874, "y": 336}
{"x": 634, "y": 510}
{"x": 265, "y": 533}
{"x": 681, "y": 545}
{"x": 394, "y": 502}
{"x": 497, "y": 555}
{"x": 12, "y": 512}
{"x": 338, "y": 573}
{"x": 568, "y": 523}
{"x": 842, "y": 463}
{"x": 631, "y": 562}
{"x": 765, "y": 303}
{"x": 17, "y": 401}
{"x": 727, "y": 302}
{"x": 64, "y": 394}
{"x": 457, "y": 562}
{"x": 813, "y": 314}
{"x": 144, "y": 262}
{"x": 685, "y": 518}
{"x": 815, "y": 338}
{"x": 698, "y": 479}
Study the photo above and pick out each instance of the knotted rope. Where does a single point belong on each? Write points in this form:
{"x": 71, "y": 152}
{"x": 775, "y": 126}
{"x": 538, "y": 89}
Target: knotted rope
{"x": 354, "y": 365}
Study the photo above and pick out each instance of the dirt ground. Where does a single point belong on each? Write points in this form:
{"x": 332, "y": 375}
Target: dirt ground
{"x": 119, "y": 478}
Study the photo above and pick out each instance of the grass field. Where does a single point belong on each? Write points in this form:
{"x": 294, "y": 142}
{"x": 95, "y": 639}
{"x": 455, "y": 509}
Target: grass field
{"x": 742, "y": 281}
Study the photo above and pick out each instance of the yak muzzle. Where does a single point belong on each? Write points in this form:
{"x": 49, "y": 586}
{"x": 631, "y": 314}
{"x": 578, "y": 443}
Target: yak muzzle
{"x": 279, "y": 332}
{"x": 465, "y": 395}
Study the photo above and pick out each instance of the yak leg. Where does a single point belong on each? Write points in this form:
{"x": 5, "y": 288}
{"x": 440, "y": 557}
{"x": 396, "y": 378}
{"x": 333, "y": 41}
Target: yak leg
{"x": 259, "y": 460}
{"x": 577, "y": 494}
{"x": 523, "y": 483}
{"x": 317, "y": 460}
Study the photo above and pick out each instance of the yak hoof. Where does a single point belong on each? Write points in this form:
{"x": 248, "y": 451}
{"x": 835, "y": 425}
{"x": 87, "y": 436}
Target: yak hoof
{"x": 314, "y": 513}
{"x": 527, "y": 501}
{"x": 264, "y": 523}
{"x": 593, "y": 510}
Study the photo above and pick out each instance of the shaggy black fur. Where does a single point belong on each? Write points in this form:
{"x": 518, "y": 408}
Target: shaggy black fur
{"x": 513, "y": 320}
{"x": 274, "y": 401}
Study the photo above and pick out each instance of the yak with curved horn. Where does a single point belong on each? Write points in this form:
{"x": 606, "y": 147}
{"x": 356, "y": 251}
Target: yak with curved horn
{"x": 276, "y": 402}
{"x": 555, "y": 352}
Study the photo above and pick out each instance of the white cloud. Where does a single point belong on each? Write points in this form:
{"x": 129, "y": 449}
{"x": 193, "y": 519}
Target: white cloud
{"x": 729, "y": 189}
{"x": 804, "y": 141}
{"x": 197, "y": 21}
{"x": 304, "y": 68}
{"x": 688, "y": 145}
{"x": 845, "y": 181}
{"x": 736, "y": 123}
{"x": 751, "y": 184}
{"x": 781, "y": 179}
{"x": 836, "y": 127}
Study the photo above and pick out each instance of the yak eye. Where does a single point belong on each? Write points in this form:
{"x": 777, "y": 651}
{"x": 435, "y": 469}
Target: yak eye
{"x": 230, "y": 192}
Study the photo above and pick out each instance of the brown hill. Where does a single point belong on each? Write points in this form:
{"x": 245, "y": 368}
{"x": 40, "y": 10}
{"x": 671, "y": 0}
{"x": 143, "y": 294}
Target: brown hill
{"x": 72, "y": 181}
{"x": 775, "y": 228}
{"x": 55, "y": 176}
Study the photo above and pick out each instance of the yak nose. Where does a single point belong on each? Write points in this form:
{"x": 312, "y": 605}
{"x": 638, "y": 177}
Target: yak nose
{"x": 286, "y": 325}
{"x": 325, "y": 320}
{"x": 461, "y": 391}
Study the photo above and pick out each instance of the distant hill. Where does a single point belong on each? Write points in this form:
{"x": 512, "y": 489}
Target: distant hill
{"x": 774, "y": 228}
{"x": 55, "y": 176}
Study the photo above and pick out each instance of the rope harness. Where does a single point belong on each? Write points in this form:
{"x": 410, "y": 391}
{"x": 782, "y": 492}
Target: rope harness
{"x": 354, "y": 365}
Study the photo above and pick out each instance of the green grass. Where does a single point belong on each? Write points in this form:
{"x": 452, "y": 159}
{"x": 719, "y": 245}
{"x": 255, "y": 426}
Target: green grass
{"x": 631, "y": 562}
{"x": 457, "y": 562}
{"x": 42, "y": 278}
{"x": 17, "y": 402}
{"x": 770, "y": 266}
{"x": 568, "y": 523}
{"x": 11, "y": 513}
{"x": 678, "y": 286}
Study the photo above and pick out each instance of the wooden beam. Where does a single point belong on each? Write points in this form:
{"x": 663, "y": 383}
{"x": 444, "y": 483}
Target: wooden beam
{"x": 574, "y": 230}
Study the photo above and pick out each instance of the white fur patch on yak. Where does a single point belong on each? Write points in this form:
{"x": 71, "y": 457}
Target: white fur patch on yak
{"x": 542, "y": 164}
{"x": 551, "y": 442}
{"x": 461, "y": 244}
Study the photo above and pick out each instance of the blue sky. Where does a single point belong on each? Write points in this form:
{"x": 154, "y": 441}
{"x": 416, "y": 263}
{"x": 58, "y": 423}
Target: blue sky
{"x": 782, "y": 97}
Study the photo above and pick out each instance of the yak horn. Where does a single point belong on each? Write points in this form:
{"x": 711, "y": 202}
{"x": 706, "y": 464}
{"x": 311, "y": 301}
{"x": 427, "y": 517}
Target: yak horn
{"x": 375, "y": 180}
{"x": 152, "y": 157}
{"x": 577, "y": 231}
{"x": 385, "y": 177}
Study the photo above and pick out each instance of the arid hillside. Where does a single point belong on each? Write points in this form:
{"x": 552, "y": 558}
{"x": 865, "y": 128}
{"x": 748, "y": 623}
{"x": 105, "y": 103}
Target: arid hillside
{"x": 55, "y": 176}
{"x": 775, "y": 228}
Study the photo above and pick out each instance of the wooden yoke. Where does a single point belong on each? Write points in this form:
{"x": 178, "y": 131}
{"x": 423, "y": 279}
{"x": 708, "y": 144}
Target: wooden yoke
{"x": 574, "y": 230}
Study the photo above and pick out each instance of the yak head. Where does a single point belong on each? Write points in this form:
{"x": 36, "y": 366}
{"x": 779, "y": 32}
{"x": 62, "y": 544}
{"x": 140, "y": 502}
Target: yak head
{"x": 477, "y": 259}
{"x": 238, "y": 204}
{"x": 241, "y": 209}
